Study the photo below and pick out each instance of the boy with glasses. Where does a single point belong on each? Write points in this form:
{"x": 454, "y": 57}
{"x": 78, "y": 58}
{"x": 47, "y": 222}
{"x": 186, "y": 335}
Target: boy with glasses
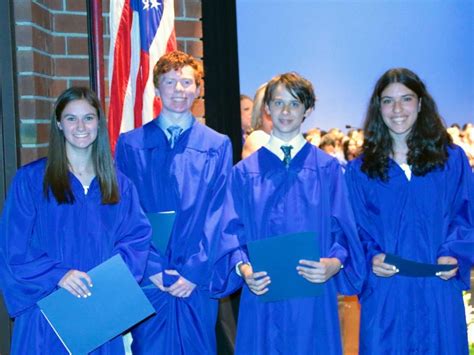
{"x": 288, "y": 186}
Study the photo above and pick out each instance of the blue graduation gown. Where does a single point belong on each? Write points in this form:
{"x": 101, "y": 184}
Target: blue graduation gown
{"x": 420, "y": 220}
{"x": 265, "y": 199}
{"x": 41, "y": 240}
{"x": 189, "y": 179}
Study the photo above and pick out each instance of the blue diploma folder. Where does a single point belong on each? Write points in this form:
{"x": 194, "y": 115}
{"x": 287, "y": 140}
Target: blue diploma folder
{"x": 415, "y": 269}
{"x": 162, "y": 226}
{"x": 279, "y": 256}
{"x": 116, "y": 304}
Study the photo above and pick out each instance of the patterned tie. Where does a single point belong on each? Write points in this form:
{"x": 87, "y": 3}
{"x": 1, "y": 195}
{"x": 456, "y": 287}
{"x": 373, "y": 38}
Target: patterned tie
{"x": 174, "y": 131}
{"x": 287, "y": 151}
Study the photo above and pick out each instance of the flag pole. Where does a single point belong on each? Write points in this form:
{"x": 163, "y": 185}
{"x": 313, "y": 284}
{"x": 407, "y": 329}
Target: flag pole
{"x": 96, "y": 48}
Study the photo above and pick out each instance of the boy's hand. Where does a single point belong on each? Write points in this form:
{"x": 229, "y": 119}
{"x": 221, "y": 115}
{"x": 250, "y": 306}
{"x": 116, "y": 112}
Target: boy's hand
{"x": 318, "y": 272}
{"x": 181, "y": 288}
{"x": 257, "y": 282}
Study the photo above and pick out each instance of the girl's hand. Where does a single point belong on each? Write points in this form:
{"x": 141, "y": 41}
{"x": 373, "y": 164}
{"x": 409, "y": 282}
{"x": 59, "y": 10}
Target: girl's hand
{"x": 77, "y": 283}
{"x": 447, "y": 260}
{"x": 381, "y": 269}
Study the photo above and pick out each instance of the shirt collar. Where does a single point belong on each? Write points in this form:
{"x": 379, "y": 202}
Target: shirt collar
{"x": 185, "y": 123}
{"x": 274, "y": 145}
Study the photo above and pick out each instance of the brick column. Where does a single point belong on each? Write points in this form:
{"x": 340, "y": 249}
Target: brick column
{"x": 189, "y": 37}
{"x": 51, "y": 39}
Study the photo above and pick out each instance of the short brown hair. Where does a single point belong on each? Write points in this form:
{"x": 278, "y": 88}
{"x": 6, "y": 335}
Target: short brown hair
{"x": 299, "y": 87}
{"x": 176, "y": 60}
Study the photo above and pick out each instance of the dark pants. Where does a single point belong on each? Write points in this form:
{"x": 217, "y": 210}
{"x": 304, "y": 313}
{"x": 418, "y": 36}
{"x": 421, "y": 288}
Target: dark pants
{"x": 226, "y": 326}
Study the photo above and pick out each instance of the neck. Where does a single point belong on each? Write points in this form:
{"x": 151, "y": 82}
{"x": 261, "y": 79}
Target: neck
{"x": 80, "y": 162}
{"x": 176, "y": 118}
{"x": 399, "y": 149}
{"x": 285, "y": 138}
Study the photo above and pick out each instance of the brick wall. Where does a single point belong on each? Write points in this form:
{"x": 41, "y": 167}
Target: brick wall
{"x": 52, "y": 54}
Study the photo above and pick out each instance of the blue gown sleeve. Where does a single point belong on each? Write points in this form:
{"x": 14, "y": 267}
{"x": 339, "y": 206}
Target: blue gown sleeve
{"x": 459, "y": 242}
{"x": 346, "y": 247}
{"x": 228, "y": 251}
{"x": 197, "y": 267}
{"x": 124, "y": 162}
{"x": 133, "y": 233}
{"x": 366, "y": 228}
{"x": 27, "y": 273}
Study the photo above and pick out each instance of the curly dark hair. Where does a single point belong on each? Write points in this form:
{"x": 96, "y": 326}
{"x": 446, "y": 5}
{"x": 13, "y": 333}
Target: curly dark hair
{"x": 427, "y": 141}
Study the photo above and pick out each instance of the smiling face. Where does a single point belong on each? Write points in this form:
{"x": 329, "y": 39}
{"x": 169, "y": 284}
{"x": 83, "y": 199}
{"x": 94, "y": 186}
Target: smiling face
{"x": 177, "y": 90}
{"x": 287, "y": 113}
{"x": 79, "y": 123}
{"x": 399, "y": 107}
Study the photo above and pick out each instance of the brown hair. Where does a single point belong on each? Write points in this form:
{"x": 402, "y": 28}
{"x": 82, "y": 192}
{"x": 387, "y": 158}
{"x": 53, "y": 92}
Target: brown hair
{"x": 56, "y": 176}
{"x": 427, "y": 141}
{"x": 299, "y": 88}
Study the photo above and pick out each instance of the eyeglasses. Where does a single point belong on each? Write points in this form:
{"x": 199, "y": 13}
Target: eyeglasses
{"x": 292, "y": 105}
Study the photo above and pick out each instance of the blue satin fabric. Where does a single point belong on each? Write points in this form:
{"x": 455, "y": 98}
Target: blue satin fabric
{"x": 40, "y": 241}
{"x": 264, "y": 199}
{"x": 189, "y": 179}
{"x": 421, "y": 219}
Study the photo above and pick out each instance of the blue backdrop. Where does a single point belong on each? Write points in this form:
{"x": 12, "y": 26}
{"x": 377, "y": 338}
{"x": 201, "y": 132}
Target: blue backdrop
{"x": 343, "y": 46}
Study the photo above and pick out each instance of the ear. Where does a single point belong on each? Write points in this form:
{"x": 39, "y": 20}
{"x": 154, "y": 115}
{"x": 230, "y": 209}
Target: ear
{"x": 59, "y": 125}
{"x": 267, "y": 110}
{"x": 419, "y": 104}
{"x": 198, "y": 91}
{"x": 308, "y": 112}
{"x": 157, "y": 92}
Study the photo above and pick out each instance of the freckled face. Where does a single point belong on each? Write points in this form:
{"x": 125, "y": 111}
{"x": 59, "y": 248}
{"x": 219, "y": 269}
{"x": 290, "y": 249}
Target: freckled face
{"x": 178, "y": 90}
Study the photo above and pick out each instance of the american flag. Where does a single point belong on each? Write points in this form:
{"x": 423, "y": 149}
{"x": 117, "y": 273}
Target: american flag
{"x": 141, "y": 31}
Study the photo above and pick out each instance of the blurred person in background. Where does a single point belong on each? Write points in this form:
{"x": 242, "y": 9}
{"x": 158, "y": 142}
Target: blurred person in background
{"x": 261, "y": 125}
{"x": 246, "y": 107}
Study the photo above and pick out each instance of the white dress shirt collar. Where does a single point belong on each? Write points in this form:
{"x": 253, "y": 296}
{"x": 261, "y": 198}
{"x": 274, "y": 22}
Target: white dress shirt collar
{"x": 274, "y": 145}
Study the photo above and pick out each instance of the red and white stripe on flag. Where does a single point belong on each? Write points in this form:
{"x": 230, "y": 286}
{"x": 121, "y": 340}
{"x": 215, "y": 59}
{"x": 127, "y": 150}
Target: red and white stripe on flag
{"x": 141, "y": 31}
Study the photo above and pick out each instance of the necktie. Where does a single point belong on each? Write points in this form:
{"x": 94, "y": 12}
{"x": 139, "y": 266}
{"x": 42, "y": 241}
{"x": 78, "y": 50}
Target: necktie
{"x": 287, "y": 152}
{"x": 174, "y": 131}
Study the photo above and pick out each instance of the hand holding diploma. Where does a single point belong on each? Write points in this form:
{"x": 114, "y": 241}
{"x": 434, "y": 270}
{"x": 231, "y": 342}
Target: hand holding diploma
{"x": 73, "y": 281}
{"x": 380, "y": 268}
{"x": 257, "y": 282}
{"x": 447, "y": 260}
{"x": 318, "y": 272}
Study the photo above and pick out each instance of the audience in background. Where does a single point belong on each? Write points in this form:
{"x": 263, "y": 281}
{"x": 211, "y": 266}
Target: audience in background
{"x": 464, "y": 138}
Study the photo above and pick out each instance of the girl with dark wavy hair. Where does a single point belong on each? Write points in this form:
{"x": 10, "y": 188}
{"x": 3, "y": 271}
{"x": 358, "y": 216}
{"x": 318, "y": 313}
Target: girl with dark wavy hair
{"x": 411, "y": 191}
{"x": 64, "y": 215}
